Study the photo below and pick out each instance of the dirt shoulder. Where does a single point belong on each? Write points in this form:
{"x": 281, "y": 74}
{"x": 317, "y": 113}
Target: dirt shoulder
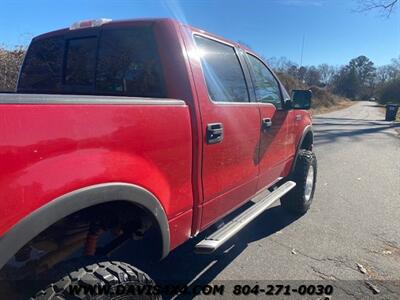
{"x": 337, "y": 106}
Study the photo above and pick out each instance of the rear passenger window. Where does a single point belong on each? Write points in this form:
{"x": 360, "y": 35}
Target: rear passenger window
{"x": 129, "y": 63}
{"x": 222, "y": 71}
{"x": 266, "y": 86}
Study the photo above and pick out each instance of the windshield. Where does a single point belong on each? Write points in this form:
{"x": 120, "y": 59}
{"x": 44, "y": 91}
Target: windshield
{"x": 118, "y": 61}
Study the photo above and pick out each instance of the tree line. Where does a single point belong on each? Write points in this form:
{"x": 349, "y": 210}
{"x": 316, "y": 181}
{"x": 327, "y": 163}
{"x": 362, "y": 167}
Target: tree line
{"x": 359, "y": 79}
{"x": 10, "y": 62}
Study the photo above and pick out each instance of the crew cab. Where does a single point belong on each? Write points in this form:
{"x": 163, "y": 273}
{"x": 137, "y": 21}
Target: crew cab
{"x": 138, "y": 128}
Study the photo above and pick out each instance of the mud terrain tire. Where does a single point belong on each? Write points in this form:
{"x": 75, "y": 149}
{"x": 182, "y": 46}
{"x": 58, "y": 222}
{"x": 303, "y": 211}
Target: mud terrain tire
{"x": 299, "y": 199}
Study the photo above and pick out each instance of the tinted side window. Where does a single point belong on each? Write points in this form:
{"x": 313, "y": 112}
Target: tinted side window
{"x": 129, "y": 63}
{"x": 222, "y": 71}
{"x": 266, "y": 86}
{"x": 42, "y": 66}
{"x": 81, "y": 61}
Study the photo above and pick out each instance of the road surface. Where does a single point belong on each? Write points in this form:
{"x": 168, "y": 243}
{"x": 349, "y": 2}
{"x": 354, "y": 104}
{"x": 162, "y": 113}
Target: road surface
{"x": 355, "y": 218}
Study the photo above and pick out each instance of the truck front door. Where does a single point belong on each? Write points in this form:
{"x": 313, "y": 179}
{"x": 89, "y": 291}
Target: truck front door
{"x": 275, "y": 140}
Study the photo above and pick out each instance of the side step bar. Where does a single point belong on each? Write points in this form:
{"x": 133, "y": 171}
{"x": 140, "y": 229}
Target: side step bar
{"x": 219, "y": 237}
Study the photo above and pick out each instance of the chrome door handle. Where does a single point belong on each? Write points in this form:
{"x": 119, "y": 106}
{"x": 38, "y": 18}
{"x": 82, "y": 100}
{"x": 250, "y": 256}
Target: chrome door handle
{"x": 266, "y": 123}
{"x": 215, "y": 133}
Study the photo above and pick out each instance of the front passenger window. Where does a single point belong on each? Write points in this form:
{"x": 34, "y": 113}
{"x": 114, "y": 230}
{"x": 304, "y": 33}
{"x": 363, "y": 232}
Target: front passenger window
{"x": 266, "y": 86}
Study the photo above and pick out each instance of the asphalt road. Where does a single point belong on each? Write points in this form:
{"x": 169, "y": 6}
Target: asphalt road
{"x": 355, "y": 218}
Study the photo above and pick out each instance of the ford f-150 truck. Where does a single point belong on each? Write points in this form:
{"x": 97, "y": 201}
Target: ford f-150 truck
{"x": 122, "y": 130}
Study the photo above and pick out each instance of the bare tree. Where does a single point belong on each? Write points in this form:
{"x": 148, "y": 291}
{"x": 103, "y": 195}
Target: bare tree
{"x": 281, "y": 64}
{"x": 10, "y": 62}
{"x": 385, "y": 7}
{"x": 327, "y": 72}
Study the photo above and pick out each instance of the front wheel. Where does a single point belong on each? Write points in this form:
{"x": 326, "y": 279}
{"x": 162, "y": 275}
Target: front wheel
{"x": 299, "y": 199}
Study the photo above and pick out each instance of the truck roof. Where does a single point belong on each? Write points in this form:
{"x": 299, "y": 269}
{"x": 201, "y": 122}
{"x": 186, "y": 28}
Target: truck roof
{"x": 115, "y": 23}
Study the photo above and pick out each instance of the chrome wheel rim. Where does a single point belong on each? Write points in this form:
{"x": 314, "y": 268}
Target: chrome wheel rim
{"x": 309, "y": 183}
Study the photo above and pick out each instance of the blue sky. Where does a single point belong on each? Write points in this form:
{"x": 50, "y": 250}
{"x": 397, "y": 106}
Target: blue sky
{"x": 333, "y": 32}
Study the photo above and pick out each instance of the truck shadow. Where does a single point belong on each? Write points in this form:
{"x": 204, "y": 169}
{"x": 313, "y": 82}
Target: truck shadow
{"x": 184, "y": 267}
{"x": 331, "y": 131}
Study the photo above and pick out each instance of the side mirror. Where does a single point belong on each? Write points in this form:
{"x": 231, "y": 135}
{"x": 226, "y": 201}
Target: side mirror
{"x": 301, "y": 99}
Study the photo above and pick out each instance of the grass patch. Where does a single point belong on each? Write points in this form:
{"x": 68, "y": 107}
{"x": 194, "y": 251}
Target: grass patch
{"x": 324, "y": 101}
{"x": 339, "y": 105}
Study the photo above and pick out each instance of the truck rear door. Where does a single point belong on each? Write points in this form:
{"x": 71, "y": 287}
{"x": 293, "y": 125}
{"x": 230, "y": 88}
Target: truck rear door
{"x": 231, "y": 124}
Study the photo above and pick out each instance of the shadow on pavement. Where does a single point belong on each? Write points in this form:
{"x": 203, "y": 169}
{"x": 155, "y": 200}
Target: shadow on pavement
{"x": 330, "y": 131}
{"x": 184, "y": 267}
{"x": 374, "y": 105}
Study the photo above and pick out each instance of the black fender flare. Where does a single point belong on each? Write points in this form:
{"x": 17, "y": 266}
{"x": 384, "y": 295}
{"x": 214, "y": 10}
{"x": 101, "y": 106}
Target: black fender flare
{"x": 45, "y": 216}
{"x": 306, "y": 130}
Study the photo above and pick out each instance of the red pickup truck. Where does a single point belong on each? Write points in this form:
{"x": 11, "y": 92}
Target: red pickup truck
{"x": 138, "y": 129}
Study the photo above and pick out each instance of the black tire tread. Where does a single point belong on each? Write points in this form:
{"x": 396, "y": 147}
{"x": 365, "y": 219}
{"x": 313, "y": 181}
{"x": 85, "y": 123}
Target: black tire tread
{"x": 294, "y": 201}
{"x": 104, "y": 272}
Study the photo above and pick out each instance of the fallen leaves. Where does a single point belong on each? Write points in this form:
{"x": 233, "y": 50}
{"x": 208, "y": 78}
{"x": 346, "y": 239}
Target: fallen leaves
{"x": 387, "y": 252}
{"x": 361, "y": 268}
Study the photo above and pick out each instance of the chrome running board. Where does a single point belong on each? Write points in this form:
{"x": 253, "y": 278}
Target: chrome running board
{"x": 223, "y": 234}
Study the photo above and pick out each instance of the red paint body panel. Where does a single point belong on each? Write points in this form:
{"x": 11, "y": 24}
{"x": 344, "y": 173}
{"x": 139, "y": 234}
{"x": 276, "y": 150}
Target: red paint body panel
{"x": 301, "y": 119}
{"x": 274, "y": 145}
{"x": 50, "y": 150}
{"x": 180, "y": 229}
{"x": 229, "y": 169}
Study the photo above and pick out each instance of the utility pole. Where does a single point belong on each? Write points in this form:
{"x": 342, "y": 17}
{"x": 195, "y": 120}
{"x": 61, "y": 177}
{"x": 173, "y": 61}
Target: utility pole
{"x": 302, "y": 51}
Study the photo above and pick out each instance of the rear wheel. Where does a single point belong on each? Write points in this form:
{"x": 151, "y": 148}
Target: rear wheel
{"x": 84, "y": 279}
{"x": 299, "y": 199}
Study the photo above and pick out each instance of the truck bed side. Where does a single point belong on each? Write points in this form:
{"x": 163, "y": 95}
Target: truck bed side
{"x": 54, "y": 144}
